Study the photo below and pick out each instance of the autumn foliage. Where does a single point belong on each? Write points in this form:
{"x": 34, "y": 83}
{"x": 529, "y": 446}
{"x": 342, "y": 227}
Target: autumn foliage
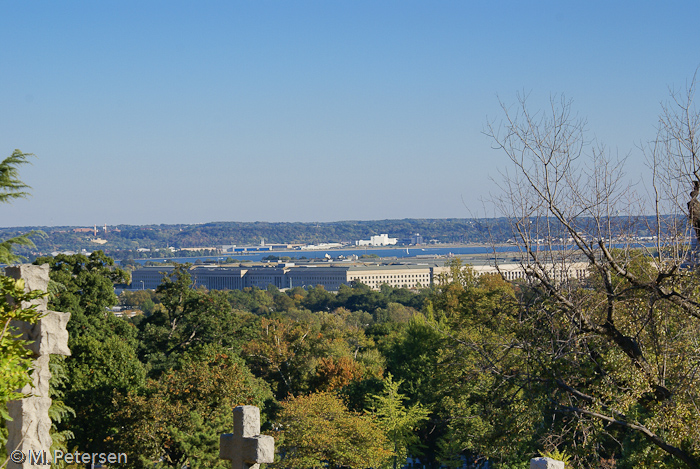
{"x": 319, "y": 431}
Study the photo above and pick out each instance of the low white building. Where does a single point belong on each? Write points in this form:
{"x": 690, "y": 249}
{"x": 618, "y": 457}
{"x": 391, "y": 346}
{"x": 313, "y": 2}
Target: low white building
{"x": 377, "y": 240}
{"x": 322, "y": 246}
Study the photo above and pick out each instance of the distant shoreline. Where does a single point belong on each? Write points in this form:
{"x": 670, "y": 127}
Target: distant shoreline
{"x": 401, "y": 247}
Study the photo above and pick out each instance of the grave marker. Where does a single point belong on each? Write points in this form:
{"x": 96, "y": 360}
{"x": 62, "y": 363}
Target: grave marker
{"x": 245, "y": 447}
{"x": 28, "y": 431}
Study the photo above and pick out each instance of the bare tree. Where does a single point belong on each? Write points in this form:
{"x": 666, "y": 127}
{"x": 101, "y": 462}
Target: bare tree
{"x": 636, "y": 321}
{"x": 674, "y": 158}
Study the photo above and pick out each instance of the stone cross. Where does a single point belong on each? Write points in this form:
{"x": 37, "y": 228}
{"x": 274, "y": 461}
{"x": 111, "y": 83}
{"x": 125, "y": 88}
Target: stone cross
{"x": 28, "y": 431}
{"x": 546, "y": 463}
{"x": 245, "y": 447}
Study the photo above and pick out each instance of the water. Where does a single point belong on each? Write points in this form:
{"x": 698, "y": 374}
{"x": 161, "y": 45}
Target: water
{"x": 415, "y": 253}
{"x": 335, "y": 253}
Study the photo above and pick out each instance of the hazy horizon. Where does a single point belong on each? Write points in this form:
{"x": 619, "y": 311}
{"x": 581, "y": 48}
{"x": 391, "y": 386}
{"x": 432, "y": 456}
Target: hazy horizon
{"x": 100, "y": 226}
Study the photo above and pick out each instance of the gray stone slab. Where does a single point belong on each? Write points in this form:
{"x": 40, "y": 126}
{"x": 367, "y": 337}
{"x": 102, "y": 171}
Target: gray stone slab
{"x": 245, "y": 447}
{"x": 546, "y": 463}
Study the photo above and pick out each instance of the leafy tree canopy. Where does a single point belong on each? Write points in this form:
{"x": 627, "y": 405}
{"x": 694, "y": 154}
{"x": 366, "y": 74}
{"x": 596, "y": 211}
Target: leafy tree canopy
{"x": 399, "y": 423}
{"x": 11, "y": 188}
{"x": 318, "y": 431}
{"x": 176, "y": 420}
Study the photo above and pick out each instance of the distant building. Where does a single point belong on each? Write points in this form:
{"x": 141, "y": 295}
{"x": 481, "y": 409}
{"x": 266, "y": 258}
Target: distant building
{"x": 399, "y": 276}
{"x": 378, "y": 240}
{"x": 284, "y": 276}
{"x": 233, "y": 248}
{"x": 219, "y": 278}
{"x": 322, "y": 246}
{"x": 148, "y": 278}
{"x": 510, "y": 272}
{"x": 417, "y": 239}
{"x": 331, "y": 277}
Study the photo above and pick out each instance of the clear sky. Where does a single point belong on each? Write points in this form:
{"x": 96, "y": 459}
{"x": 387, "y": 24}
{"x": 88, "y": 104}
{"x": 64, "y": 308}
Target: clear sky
{"x": 146, "y": 112}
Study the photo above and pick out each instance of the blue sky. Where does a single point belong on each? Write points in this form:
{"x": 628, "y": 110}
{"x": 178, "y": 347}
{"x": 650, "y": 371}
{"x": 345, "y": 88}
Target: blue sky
{"x": 190, "y": 112}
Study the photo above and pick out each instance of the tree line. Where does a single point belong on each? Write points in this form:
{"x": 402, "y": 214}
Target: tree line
{"x": 474, "y": 369}
{"x": 123, "y": 241}
{"x": 126, "y": 242}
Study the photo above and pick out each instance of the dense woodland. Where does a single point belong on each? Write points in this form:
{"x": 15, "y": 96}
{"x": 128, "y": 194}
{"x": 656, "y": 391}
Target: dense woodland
{"x": 358, "y": 378}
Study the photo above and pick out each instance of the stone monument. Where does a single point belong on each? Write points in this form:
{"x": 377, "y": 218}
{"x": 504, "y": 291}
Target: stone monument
{"x": 546, "y": 463}
{"x": 28, "y": 431}
{"x": 245, "y": 447}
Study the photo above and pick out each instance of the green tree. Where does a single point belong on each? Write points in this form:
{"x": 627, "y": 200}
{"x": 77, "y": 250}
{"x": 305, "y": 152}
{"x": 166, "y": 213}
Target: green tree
{"x": 189, "y": 318}
{"x": 445, "y": 359}
{"x": 412, "y": 356}
{"x": 143, "y": 299}
{"x": 175, "y": 420}
{"x": 11, "y": 188}
{"x": 15, "y": 358}
{"x": 317, "y": 352}
{"x": 59, "y": 411}
{"x": 98, "y": 369}
{"x": 319, "y": 431}
{"x": 398, "y": 422}
{"x": 281, "y": 355}
{"x": 85, "y": 288}
{"x": 318, "y": 299}
{"x": 482, "y": 408}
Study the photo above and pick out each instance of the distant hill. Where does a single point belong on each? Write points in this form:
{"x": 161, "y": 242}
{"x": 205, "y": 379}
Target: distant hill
{"x": 442, "y": 230}
{"x": 124, "y": 241}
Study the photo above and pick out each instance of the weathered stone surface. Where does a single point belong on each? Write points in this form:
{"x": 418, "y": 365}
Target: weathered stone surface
{"x": 30, "y": 425}
{"x": 36, "y": 277}
{"x": 246, "y": 421}
{"x": 40, "y": 378}
{"x": 29, "y": 429}
{"x": 227, "y": 446}
{"x": 245, "y": 447}
{"x": 258, "y": 449}
{"x": 50, "y": 334}
{"x": 545, "y": 463}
